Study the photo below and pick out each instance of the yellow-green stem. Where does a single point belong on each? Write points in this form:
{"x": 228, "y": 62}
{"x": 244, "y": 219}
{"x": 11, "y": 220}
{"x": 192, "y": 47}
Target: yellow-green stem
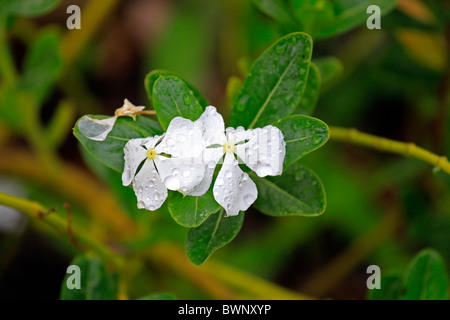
{"x": 387, "y": 145}
{"x": 36, "y": 211}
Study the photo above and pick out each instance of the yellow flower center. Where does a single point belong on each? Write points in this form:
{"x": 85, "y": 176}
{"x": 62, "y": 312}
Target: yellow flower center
{"x": 228, "y": 147}
{"x": 151, "y": 154}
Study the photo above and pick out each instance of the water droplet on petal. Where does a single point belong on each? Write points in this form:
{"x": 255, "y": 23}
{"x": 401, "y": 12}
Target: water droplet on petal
{"x": 264, "y": 170}
{"x": 175, "y": 172}
{"x": 219, "y": 181}
{"x": 228, "y": 174}
{"x": 211, "y": 164}
{"x": 172, "y": 183}
{"x": 186, "y": 173}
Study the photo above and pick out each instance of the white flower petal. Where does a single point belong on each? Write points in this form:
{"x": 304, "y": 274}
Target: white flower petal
{"x": 238, "y": 135}
{"x": 149, "y": 188}
{"x": 211, "y": 156}
{"x": 135, "y": 153}
{"x": 264, "y": 150}
{"x": 183, "y": 139}
{"x": 233, "y": 189}
{"x": 213, "y": 127}
{"x": 94, "y": 129}
{"x": 180, "y": 174}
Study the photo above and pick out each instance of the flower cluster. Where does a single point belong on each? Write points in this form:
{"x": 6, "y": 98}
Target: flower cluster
{"x": 185, "y": 157}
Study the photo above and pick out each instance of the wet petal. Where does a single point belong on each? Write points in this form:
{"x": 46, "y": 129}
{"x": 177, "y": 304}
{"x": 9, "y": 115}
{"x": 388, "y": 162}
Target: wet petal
{"x": 95, "y": 129}
{"x": 149, "y": 188}
{"x": 263, "y": 151}
{"x": 233, "y": 189}
{"x": 211, "y": 156}
{"x": 135, "y": 153}
{"x": 183, "y": 139}
{"x": 238, "y": 135}
{"x": 180, "y": 174}
{"x": 212, "y": 126}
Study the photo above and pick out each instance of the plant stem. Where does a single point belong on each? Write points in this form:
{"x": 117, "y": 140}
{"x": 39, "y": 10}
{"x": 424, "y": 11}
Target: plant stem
{"x": 36, "y": 211}
{"x": 73, "y": 184}
{"x": 387, "y": 145}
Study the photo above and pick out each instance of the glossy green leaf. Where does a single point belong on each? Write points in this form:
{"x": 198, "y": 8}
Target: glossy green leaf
{"x": 302, "y": 135}
{"x": 277, "y": 10}
{"x": 426, "y": 278}
{"x": 214, "y": 233}
{"x": 351, "y": 13}
{"x": 192, "y": 211}
{"x": 110, "y": 152}
{"x": 391, "y": 289}
{"x": 96, "y": 282}
{"x": 275, "y": 84}
{"x": 42, "y": 64}
{"x": 298, "y": 191}
{"x": 151, "y": 78}
{"x": 173, "y": 98}
{"x": 27, "y": 7}
{"x": 330, "y": 68}
{"x": 158, "y": 296}
{"x": 311, "y": 95}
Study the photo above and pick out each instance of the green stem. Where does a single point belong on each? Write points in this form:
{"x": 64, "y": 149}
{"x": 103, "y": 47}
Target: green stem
{"x": 387, "y": 145}
{"x": 36, "y": 211}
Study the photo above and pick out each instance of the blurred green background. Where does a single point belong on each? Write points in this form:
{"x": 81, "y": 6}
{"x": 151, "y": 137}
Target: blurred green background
{"x": 382, "y": 209}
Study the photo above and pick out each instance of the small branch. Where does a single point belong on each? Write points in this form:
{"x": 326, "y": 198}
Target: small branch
{"x": 70, "y": 234}
{"x": 392, "y": 146}
{"x": 36, "y": 211}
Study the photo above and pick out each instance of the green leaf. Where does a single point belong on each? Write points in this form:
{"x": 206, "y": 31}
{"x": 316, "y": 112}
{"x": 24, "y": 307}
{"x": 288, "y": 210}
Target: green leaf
{"x": 110, "y": 152}
{"x": 277, "y": 10}
{"x": 42, "y": 64}
{"x": 158, "y": 296}
{"x": 311, "y": 94}
{"x": 275, "y": 84}
{"x": 330, "y": 68}
{"x": 151, "y": 78}
{"x": 96, "y": 282}
{"x": 426, "y": 278}
{"x": 173, "y": 98}
{"x": 214, "y": 233}
{"x": 351, "y": 13}
{"x": 28, "y": 8}
{"x": 298, "y": 191}
{"x": 391, "y": 289}
{"x": 192, "y": 211}
{"x": 302, "y": 135}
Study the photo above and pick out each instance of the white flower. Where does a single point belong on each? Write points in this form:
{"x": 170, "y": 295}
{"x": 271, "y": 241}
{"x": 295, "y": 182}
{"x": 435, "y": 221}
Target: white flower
{"x": 167, "y": 163}
{"x": 261, "y": 149}
{"x": 98, "y": 130}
